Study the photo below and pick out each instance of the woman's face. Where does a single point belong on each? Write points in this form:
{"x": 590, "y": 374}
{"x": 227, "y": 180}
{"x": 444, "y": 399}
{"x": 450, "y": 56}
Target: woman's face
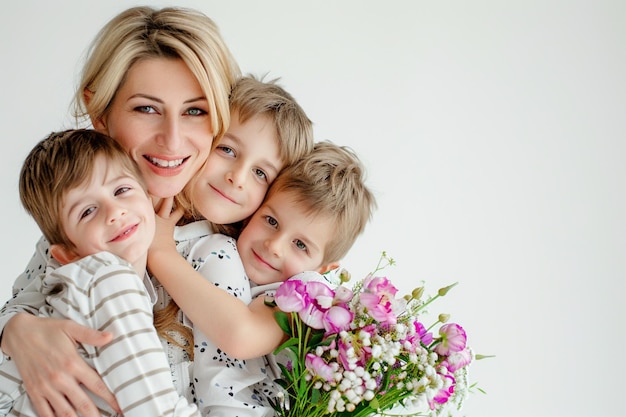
{"x": 160, "y": 116}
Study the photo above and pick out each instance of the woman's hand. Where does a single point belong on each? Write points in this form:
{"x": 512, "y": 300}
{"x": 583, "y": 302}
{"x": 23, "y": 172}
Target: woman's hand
{"x": 45, "y": 354}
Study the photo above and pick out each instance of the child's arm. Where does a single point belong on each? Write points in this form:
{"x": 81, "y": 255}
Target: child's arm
{"x": 134, "y": 364}
{"x": 25, "y": 336}
{"x": 242, "y": 331}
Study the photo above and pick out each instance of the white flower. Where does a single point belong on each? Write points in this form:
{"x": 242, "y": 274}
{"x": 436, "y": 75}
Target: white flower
{"x": 368, "y": 395}
{"x": 371, "y": 384}
{"x": 377, "y": 350}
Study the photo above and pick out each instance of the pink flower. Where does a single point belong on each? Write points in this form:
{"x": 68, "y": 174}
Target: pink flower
{"x": 420, "y": 337}
{"x": 379, "y": 298}
{"x": 425, "y": 336}
{"x": 458, "y": 360}
{"x": 337, "y": 318}
{"x": 291, "y": 296}
{"x": 453, "y": 339}
{"x": 361, "y": 354}
{"x": 443, "y": 395}
{"x": 320, "y": 294}
{"x": 343, "y": 295}
{"x": 318, "y": 299}
{"x": 317, "y": 366}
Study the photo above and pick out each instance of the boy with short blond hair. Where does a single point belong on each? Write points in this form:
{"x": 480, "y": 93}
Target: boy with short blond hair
{"x": 90, "y": 201}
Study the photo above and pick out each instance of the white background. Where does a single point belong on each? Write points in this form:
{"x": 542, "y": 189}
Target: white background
{"x": 494, "y": 136}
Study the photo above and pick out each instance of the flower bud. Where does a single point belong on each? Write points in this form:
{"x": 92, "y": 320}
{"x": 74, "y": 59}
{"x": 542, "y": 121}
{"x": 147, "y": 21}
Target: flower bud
{"x": 443, "y": 291}
{"x": 417, "y": 293}
{"x": 444, "y": 317}
{"x": 344, "y": 276}
{"x": 479, "y": 357}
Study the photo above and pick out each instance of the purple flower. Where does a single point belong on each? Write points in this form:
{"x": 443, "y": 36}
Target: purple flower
{"x": 453, "y": 339}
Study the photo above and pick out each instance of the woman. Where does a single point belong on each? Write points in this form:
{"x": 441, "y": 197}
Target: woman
{"x": 157, "y": 81}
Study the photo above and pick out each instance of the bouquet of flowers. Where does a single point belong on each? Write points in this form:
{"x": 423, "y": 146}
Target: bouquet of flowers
{"x": 363, "y": 351}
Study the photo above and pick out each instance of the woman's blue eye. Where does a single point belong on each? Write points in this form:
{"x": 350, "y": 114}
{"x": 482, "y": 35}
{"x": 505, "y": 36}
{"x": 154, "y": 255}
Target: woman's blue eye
{"x": 145, "y": 109}
{"x": 195, "y": 112}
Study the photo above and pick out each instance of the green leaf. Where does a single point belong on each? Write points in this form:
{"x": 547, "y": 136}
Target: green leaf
{"x": 316, "y": 339}
{"x": 283, "y": 321}
{"x": 374, "y": 403}
{"x": 282, "y": 382}
{"x": 291, "y": 343}
{"x": 315, "y": 396}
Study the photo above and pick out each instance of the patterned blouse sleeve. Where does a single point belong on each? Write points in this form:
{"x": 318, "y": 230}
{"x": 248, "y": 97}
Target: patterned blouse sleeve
{"x": 27, "y": 296}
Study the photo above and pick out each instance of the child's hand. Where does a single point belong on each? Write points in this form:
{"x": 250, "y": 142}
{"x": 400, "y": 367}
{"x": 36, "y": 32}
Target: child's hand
{"x": 166, "y": 219}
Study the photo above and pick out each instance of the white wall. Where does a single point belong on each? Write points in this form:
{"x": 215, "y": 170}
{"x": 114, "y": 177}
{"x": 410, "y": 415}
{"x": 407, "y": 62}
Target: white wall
{"x": 494, "y": 133}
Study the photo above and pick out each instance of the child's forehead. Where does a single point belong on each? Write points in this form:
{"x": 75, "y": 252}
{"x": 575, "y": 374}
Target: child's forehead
{"x": 107, "y": 168}
{"x": 104, "y": 170}
{"x": 289, "y": 202}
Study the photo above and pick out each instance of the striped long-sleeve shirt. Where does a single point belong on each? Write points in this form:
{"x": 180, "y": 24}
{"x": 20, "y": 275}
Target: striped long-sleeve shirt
{"x": 104, "y": 292}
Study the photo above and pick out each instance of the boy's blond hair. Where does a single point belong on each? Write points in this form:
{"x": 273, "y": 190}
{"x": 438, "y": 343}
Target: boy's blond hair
{"x": 251, "y": 97}
{"x": 59, "y": 163}
{"x": 330, "y": 182}
{"x": 141, "y": 33}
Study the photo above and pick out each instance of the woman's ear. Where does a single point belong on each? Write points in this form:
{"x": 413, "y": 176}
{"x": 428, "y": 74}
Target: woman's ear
{"x": 97, "y": 124}
{"x": 63, "y": 254}
{"x": 329, "y": 267}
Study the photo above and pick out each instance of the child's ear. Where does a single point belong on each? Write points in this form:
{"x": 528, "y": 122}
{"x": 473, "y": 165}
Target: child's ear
{"x": 63, "y": 254}
{"x": 329, "y": 267}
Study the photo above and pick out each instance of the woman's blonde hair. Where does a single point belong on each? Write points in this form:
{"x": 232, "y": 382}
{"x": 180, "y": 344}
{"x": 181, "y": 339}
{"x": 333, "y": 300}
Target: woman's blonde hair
{"x": 142, "y": 33}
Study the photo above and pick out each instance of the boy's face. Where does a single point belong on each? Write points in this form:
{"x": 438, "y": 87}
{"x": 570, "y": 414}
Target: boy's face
{"x": 238, "y": 172}
{"x": 282, "y": 240}
{"x": 110, "y": 212}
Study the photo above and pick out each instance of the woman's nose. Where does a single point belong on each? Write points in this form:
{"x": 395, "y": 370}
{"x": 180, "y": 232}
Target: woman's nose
{"x": 171, "y": 135}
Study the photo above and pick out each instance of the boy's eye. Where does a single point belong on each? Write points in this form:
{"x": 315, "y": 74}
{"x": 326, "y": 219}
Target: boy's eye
{"x": 226, "y": 149}
{"x": 300, "y": 244}
{"x": 87, "y": 212}
{"x": 271, "y": 221}
{"x": 122, "y": 190}
{"x": 260, "y": 173}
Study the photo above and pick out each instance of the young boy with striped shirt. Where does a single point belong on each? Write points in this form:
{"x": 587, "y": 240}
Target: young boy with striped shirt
{"x": 90, "y": 201}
